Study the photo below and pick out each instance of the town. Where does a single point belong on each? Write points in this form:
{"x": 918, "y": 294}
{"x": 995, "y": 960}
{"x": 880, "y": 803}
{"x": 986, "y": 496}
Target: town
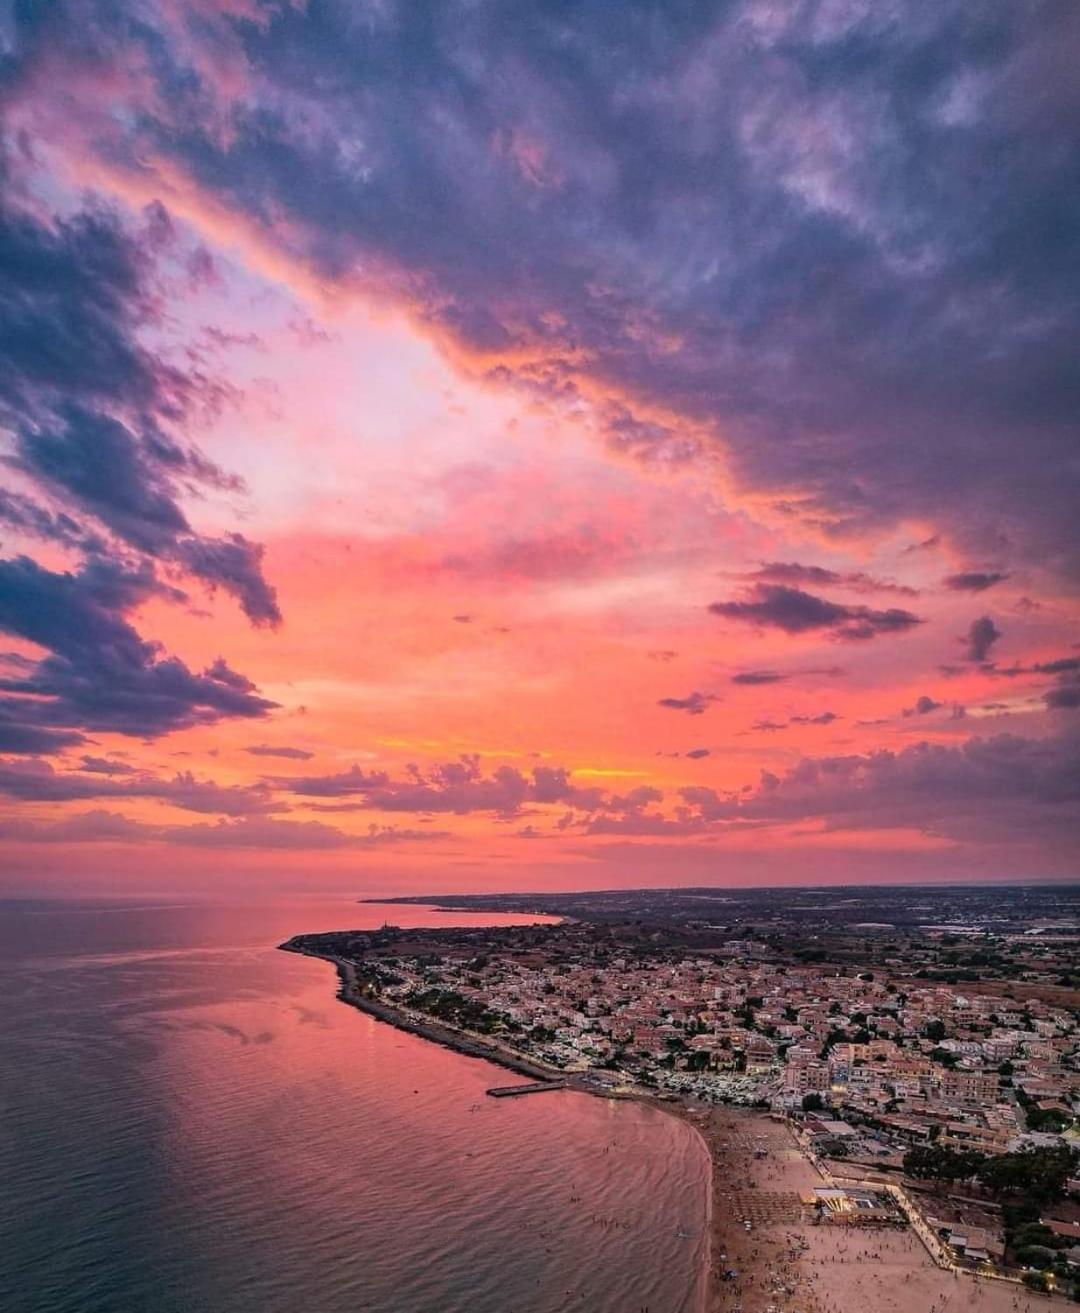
{"x": 944, "y": 1055}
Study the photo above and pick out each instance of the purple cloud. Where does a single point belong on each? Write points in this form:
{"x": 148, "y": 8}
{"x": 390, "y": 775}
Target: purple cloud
{"x": 754, "y": 677}
{"x": 974, "y": 581}
{"x": 458, "y": 787}
{"x": 806, "y": 225}
{"x": 924, "y": 705}
{"x": 694, "y": 704}
{"x": 777, "y": 606}
{"x": 268, "y": 750}
{"x": 99, "y": 674}
{"x": 980, "y": 638}
{"x": 791, "y": 572}
{"x": 39, "y": 782}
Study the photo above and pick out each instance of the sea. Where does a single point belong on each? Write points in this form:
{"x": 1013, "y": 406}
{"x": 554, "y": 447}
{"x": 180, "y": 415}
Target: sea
{"x": 190, "y": 1122}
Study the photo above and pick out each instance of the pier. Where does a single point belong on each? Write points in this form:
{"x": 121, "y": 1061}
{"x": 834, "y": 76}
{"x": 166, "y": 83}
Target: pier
{"x": 537, "y": 1087}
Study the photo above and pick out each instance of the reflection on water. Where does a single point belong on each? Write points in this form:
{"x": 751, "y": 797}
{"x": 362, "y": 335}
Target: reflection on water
{"x": 189, "y": 1121}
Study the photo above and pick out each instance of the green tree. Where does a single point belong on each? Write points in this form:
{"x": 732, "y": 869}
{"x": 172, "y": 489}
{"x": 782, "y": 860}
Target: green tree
{"x": 1038, "y": 1174}
{"x": 931, "y": 1162}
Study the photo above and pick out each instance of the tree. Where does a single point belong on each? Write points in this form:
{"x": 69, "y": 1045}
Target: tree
{"x": 812, "y": 1102}
{"x": 833, "y": 1037}
{"x": 1048, "y": 1119}
{"x": 946, "y": 1057}
{"x": 931, "y": 1162}
{"x": 935, "y": 1031}
{"x": 1040, "y": 1173}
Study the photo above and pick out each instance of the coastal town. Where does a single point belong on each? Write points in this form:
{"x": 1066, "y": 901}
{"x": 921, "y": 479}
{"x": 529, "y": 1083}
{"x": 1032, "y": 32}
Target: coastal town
{"x": 928, "y": 1075}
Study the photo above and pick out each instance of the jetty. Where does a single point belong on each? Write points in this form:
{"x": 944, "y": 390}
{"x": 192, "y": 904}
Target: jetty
{"x": 537, "y": 1087}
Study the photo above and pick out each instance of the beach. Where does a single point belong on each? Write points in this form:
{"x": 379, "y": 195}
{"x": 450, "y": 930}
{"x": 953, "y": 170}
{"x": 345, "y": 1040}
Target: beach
{"x": 790, "y": 1263}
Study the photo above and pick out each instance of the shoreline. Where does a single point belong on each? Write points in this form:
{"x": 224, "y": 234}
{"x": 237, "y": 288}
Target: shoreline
{"x": 459, "y": 1042}
{"x": 435, "y": 1031}
{"x": 757, "y": 1221}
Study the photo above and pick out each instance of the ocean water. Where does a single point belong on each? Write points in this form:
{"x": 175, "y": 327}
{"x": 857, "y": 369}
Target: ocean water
{"x": 191, "y": 1123}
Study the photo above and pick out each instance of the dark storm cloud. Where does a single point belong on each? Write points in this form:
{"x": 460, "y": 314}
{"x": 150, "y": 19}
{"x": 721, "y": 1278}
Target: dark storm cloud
{"x": 974, "y": 581}
{"x": 99, "y": 674}
{"x": 776, "y": 606}
{"x": 848, "y": 244}
{"x": 980, "y": 638}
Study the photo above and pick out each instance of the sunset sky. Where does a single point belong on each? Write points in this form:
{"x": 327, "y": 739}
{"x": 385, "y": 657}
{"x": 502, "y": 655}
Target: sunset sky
{"x": 473, "y": 446}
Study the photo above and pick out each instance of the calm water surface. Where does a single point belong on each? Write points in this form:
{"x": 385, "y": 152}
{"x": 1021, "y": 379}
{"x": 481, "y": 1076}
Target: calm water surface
{"x": 189, "y": 1121}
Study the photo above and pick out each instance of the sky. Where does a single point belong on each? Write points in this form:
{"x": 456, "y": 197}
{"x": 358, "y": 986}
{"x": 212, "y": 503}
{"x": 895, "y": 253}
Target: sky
{"x": 479, "y": 446}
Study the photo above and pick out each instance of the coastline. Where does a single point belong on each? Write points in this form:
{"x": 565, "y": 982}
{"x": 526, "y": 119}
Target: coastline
{"x": 436, "y": 1032}
{"x": 757, "y": 1220}
{"x": 456, "y": 1040}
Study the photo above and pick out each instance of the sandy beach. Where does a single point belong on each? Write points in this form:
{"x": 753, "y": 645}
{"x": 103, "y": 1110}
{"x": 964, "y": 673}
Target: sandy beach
{"x": 789, "y": 1263}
